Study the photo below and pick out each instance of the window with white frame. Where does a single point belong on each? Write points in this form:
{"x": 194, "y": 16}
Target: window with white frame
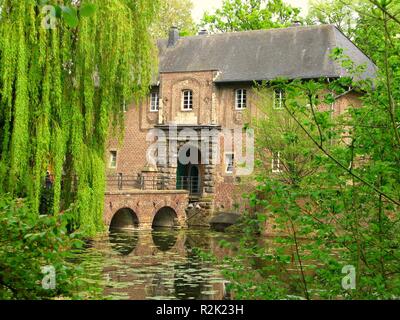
{"x": 229, "y": 162}
{"x": 276, "y": 162}
{"x": 279, "y": 98}
{"x": 240, "y": 99}
{"x": 187, "y": 100}
{"x": 113, "y": 159}
{"x": 154, "y": 102}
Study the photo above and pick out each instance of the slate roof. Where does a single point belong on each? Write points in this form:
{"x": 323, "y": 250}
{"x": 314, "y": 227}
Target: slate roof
{"x": 295, "y": 52}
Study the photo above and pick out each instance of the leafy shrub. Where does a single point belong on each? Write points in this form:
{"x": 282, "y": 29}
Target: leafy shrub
{"x": 29, "y": 243}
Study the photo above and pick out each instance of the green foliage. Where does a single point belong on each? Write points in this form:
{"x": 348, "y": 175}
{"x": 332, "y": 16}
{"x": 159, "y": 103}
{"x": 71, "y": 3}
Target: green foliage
{"x": 62, "y": 89}
{"x": 239, "y": 15}
{"x": 340, "y": 13}
{"x": 371, "y": 30}
{"x": 28, "y": 245}
{"x": 87, "y": 10}
{"x": 276, "y": 132}
{"x": 177, "y": 13}
{"x": 346, "y": 210}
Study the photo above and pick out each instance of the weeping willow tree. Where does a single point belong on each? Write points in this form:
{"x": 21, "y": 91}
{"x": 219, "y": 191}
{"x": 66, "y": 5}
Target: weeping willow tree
{"x": 61, "y": 88}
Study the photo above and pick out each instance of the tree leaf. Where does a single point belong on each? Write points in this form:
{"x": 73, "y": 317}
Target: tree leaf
{"x": 58, "y": 11}
{"x": 70, "y": 17}
{"x": 87, "y": 10}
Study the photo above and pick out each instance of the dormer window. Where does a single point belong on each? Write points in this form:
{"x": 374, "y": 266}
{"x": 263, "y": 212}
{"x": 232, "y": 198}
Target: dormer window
{"x": 187, "y": 100}
{"x": 279, "y": 99}
{"x": 154, "y": 103}
{"x": 240, "y": 99}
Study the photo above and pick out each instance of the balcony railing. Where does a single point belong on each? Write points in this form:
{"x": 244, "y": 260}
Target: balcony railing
{"x": 129, "y": 182}
{"x": 192, "y": 184}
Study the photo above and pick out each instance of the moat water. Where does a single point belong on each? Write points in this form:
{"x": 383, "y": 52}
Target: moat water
{"x": 157, "y": 264}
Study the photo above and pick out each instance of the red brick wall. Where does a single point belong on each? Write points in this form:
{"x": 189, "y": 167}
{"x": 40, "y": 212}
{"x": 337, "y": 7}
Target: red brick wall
{"x": 131, "y": 151}
{"x": 145, "y": 204}
{"x": 211, "y": 104}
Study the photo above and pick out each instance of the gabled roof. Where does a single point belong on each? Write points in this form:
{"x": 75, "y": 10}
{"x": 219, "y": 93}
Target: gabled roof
{"x": 295, "y": 52}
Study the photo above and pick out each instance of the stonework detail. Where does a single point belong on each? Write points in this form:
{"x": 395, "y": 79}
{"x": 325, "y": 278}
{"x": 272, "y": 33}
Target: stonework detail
{"x": 145, "y": 204}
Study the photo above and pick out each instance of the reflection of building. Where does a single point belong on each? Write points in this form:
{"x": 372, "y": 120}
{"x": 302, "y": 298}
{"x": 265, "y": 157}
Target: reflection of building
{"x": 205, "y": 84}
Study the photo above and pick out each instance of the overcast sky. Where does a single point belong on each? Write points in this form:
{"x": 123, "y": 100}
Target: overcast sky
{"x": 202, "y": 5}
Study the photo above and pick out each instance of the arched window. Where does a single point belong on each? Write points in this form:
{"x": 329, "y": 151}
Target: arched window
{"x": 240, "y": 99}
{"x": 187, "y": 100}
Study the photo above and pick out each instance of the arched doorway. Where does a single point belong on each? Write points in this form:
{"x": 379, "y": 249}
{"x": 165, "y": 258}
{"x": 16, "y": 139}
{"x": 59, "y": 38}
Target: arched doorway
{"x": 165, "y": 218}
{"x": 188, "y": 173}
{"x": 124, "y": 218}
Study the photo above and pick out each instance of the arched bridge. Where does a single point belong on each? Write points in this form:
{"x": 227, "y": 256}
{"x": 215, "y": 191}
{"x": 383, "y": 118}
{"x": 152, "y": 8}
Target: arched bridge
{"x": 145, "y": 209}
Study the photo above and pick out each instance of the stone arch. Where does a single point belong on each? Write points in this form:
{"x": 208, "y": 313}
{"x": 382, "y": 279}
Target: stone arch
{"x": 124, "y": 218}
{"x": 165, "y": 217}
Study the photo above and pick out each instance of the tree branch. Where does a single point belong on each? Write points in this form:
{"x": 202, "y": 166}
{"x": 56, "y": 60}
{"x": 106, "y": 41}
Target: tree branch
{"x": 316, "y": 122}
{"x": 391, "y": 107}
{"x": 388, "y": 197}
{"x": 383, "y": 9}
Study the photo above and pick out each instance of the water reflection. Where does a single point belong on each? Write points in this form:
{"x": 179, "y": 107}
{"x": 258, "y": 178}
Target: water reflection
{"x": 123, "y": 241}
{"x": 189, "y": 282}
{"x": 161, "y": 264}
{"x": 164, "y": 239}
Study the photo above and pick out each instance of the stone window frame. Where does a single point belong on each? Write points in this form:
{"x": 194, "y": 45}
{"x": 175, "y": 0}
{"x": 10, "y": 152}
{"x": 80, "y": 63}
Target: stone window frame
{"x": 279, "y": 98}
{"x": 190, "y": 103}
{"x": 226, "y": 163}
{"x": 242, "y": 104}
{"x": 154, "y": 103}
{"x": 113, "y": 159}
{"x": 276, "y": 162}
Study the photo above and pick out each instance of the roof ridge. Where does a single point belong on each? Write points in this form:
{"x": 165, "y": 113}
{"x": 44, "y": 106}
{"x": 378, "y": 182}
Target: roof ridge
{"x": 253, "y": 31}
{"x": 296, "y": 52}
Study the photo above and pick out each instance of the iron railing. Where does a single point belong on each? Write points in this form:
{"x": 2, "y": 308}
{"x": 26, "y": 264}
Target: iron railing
{"x": 121, "y": 182}
{"x": 129, "y": 182}
{"x": 191, "y": 184}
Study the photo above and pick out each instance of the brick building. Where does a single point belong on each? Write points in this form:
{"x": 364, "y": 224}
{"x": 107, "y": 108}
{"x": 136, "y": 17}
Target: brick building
{"x": 204, "y": 85}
